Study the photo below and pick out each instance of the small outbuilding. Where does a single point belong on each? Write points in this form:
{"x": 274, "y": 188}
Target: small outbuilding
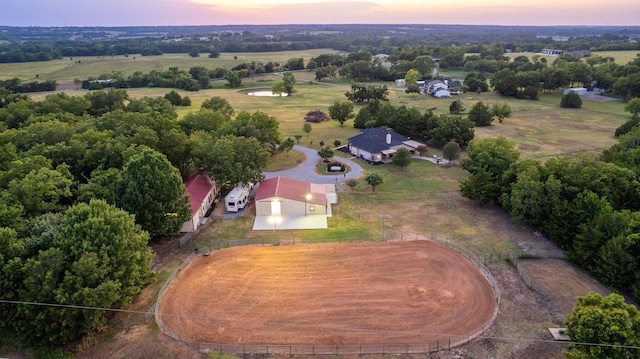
{"x": 579, "y": 90}
{"x": 284, "y": 203}
{"x": 202, "y": 194}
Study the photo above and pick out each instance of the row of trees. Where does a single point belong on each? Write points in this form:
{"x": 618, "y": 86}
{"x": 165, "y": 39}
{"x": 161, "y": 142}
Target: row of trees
{"x": 587, "y": 206}
{"x": 87, "y": 181}
{"x": 27, "y": 44}
{"x": 193, "y": 80}
{"x": 437, "y": 130}
{"x": 15, "y": 85}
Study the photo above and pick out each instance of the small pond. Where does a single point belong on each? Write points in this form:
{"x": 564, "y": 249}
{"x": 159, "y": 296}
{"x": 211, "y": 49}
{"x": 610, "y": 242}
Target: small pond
{"x": 265, "y": 94}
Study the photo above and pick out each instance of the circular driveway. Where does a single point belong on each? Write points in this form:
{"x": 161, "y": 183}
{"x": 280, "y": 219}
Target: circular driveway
{"x": 307, "y": 170}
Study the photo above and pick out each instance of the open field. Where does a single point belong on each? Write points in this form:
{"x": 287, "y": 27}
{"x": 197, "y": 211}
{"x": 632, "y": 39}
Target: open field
{"x": 414, "y": 292}
{"x": 540, "y": 128}
{"x": 620, "y": 57}
{"x": 564, "y": 283}
{"x": 423, "y": 199}
{"x": 68, "y": 69}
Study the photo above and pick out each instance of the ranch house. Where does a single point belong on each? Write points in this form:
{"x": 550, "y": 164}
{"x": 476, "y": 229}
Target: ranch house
{"x": 377, "y": 145}
{"x": 202, "y": 193}
{"x": 437, "y": 88}
{"x": 284, "y": 203}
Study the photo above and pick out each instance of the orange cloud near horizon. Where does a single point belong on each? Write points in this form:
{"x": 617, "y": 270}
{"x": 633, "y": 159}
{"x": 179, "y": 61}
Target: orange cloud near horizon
{"x": 259, "y": 12}
{"x": 499, "y": 12}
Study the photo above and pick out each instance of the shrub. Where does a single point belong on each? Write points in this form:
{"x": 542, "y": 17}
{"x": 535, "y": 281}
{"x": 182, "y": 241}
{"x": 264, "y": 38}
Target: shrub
{"x": 316, "y": 116}
{"x": 571, "y": 100}
{"x": 628, "y": 126}
{"x": 352, "y": 183}
{"x": 422, "y": 149}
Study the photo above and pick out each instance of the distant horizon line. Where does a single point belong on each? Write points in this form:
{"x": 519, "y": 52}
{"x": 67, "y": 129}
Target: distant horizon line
{"x": 319, "y": 24}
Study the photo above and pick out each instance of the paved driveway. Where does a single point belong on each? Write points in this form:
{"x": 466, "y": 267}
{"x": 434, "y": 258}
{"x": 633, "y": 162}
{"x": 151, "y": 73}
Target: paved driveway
{"x": 307, "y": 170}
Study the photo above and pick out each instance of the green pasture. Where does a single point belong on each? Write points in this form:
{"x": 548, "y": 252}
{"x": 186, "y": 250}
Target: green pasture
{"x": 423, "y": 198}
{"x": 541, "y": 128}
{"x": 68, "y": 69}
{"x": 620, "y": 57}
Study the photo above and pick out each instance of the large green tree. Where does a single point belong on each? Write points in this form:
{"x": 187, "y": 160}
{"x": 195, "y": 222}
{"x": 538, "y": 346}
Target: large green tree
{"x": 402, "y": 158}
{"x": 40, "y": 191}
{"x": 289, "y": 81}
{"x": 374, "y": 179}
{"x": 444, "y": 128}
{"x": 202, "y": 120}
{"x": 487, "y": 161}
{"x": 451, "y": 151}
{"x": 412, "y": 76}
{"x": 99, "y": 258}
{"x": 217, "y": 103}
{"x": 341, "y": 111}
{"x": 230, "y": 160}
{"x": 259, "y": 125}
{"x": 603, "y": 327}
{"x": 234, "y": 78}
{"x": 152, "y": 189}
{"x": 633, "y": 107}
{"x": 480, "y": 114}
{"x": 501, "y": 110}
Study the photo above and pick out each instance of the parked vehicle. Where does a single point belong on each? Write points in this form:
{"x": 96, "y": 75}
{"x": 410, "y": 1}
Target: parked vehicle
{"x": 237, "y": 199}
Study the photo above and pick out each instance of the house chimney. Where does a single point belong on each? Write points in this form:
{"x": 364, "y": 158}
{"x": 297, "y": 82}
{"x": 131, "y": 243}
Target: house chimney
{"x": 388, "y": 138}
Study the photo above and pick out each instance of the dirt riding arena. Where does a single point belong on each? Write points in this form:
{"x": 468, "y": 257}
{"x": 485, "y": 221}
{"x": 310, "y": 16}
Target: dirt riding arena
{"x": 340, "y": 294}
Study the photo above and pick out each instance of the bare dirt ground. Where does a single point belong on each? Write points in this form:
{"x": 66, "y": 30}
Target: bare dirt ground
{"x": 562, "y": 282}
{"x": 368, "y": 293}
{"x": 520, "y": 330}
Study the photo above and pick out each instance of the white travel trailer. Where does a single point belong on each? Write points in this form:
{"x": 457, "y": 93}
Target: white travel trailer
{"x": 237, "y": 199}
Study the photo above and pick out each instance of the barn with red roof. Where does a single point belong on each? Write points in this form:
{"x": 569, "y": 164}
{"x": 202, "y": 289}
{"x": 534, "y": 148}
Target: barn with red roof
{"x": 202, "y": 193}
{"x": 284, "y": 203}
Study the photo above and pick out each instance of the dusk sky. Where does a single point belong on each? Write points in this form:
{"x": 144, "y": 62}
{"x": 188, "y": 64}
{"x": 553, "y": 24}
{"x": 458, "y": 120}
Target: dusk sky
{"x": 236, "y": 12}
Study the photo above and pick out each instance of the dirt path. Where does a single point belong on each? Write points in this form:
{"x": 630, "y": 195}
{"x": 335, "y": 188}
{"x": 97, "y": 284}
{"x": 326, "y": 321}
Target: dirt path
{"x": 369, "y": 293}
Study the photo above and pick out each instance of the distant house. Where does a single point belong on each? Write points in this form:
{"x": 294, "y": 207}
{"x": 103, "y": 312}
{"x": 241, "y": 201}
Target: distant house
{"x": 437, "y": 88}
{"x": 552, "y": 52}
{"x": 579, "y": 90}
{"x": 377, "y": 145}
{"x": 381, "y": 56}
{"x": 284, "y": 203}
{"x": 442, "y": 93}
{"x": 202, "y": 193}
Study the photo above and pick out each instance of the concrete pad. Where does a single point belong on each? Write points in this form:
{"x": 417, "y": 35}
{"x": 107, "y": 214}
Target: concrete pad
{"x": 264, "y": 223}
{"x": 557, "y": 335}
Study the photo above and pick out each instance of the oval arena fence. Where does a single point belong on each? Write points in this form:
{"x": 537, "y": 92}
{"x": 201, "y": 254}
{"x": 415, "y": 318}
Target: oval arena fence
{"x": 444, "y": 342}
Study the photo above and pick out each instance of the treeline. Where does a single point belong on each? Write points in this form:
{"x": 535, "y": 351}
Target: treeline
{"x": 87, "y": 181}
{"x": 16, "y": 85}
{"x": 589, "y": 206}
{"x": 193, "y": 80}
{"x": 436, "y": 130}
{"x": 377, "y": 39}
